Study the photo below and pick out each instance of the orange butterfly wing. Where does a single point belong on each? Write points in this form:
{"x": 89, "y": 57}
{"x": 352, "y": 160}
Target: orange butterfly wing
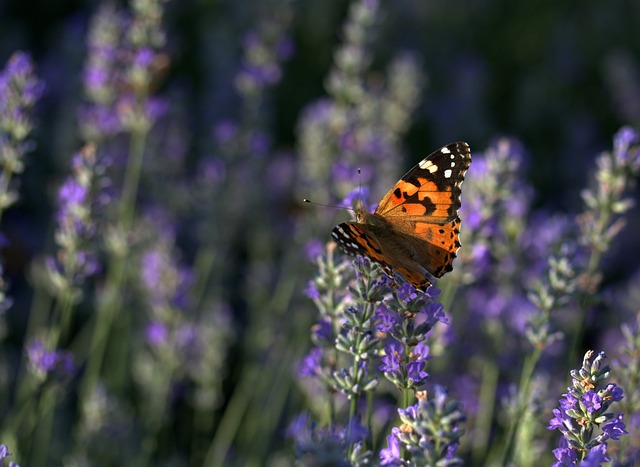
{"x": 415, "y": 228}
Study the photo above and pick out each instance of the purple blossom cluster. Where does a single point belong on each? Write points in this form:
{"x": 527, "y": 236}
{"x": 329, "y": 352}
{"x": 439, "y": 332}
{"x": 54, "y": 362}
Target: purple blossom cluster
{"x": 78, "y": 197}
{"x": 44, "y": 362}
{"x": 123, "y": 62}
{"x": 429, "y": 434}
{"x": 585, "y": 408}
{"x": 377, "y": 330}
{"x": 20, "y": 89}
{"x": 4, "y": 453}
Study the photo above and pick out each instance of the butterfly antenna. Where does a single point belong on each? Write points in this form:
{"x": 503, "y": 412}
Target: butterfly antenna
{"x": 335, "y": 206}
{"x": 360, "y": 187}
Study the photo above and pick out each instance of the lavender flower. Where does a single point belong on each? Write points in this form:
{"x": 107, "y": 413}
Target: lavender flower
{"x": 156, "y": 333}
{"x": 107, "y": 430}
{"x": 557, "y": 288}
{"x": 584, "y": 409}
{"x": 347, "y": 341}
{"x": 99, "y": 119}
{"x": 628, "y": 364}
{"x": 182, "y": 346}
{"x": 605, "y": 203}
{"x": 123, "y": 62}
{"x": 407, "y": 317}
{"x": 76, "y": 259}
{"x": 595, "y": 457}
{"x": 429, "y": 435}
{"x": 164, "y": 282}
{"x": 4, "y": 453}
{"x": 317, "y": 446}
{"x": 525, "y": 265}
{"x": 564, "y": 454}
{"x": 44, "y": 362}
{"x": 20, "y": 89}
{"x": 360, "y": 125}
{"x": 392, "y": 455}
{"x": 357, "y": 337}
{"x": 496, "y": 200}
{"x": 264, "y": 51}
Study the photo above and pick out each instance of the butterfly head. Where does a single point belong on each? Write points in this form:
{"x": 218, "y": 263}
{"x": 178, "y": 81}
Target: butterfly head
{"x": 360, "y": 212}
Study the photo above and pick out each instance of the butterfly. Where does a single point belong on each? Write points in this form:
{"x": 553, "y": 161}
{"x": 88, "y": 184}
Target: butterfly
{"x": 415, "y": 228}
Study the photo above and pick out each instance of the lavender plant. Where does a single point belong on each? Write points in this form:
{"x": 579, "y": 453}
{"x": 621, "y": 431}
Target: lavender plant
{"x": 20, "y": 90}
{"x": 359, "y": 121}
{"x": 372, "y": 333}
{"x": 628, "y": 368}
{"x": 429, "y": 434}
{"x": 134, "y": 111}
{"x": 584, "y": 418}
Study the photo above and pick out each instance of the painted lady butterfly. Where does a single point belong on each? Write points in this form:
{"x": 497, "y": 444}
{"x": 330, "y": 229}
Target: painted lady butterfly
{"x": 414, "y": 230}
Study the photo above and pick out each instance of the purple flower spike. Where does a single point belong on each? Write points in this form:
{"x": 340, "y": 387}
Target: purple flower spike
{"x": 583, "y": 411}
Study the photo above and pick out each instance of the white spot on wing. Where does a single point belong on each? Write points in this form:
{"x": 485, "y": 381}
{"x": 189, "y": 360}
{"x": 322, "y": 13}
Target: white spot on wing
{"x": 428, "y": 165}
{"x": 447, "y": 173}
{"x": 453, "y": 164}
{"x": 445, "y": 151}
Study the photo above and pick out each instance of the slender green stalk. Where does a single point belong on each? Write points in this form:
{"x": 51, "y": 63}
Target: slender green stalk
{"x": 231, "y": 420}
{"x": 127, "y": 206}
{"x": 204, "y": 266}
{"x": 20, "y": 420}
{"x": 44, "y": 427}
{"x": 486, "y": 407}
{"x": 111, "y": 298}
{"x": 528, "y": 369}
{"x": 154, "y": 423}
{"x": 61, "y": 320}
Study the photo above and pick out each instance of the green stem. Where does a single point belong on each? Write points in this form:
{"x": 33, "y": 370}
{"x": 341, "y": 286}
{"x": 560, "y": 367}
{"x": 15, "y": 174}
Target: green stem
{"x": 61, "y": 320}
{"x": 232, "y": 418}
{"x": 19, "y": 422}
{"x": 204, "y": 266}
{"x": 105, "y": 314}
{"x": 485, "y": 412}
{"x": 528, "y": 369}
{"x": 370, "y": 400}
{"x": 42, "y": 436}
{"x": 154, "y": 418}
{"x": 127, "y": 205}
{"x": 591, "y": 270}
{"x": 111, "y": 298}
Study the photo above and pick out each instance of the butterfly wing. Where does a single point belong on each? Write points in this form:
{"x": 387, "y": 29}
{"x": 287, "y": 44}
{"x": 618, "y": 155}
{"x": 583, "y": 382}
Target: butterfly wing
{"x": 391, "y": 250}
{"x": 357, "y": 239}
{"x": 430, "y": 191}
{"x": 424, "y": 205}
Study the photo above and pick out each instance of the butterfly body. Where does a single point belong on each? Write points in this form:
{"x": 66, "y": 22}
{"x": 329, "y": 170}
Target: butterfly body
{"x": 415, "y": 228}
